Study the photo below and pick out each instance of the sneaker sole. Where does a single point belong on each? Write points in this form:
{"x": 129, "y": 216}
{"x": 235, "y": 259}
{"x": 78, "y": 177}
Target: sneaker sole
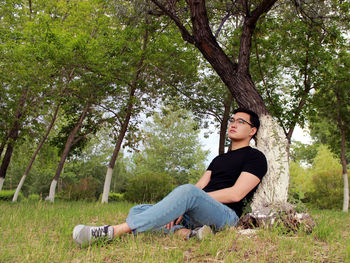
{"x": 76, "y": 231}
{"x": 204, "y": 232}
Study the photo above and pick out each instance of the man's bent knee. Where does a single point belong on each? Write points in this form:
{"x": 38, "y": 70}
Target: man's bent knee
{"x": 186, "y": 189}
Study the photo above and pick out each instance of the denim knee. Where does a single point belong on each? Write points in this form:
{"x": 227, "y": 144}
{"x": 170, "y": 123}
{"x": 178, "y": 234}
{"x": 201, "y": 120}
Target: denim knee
{"x": 137, "y": 209}
{"x": 186, "y": 188}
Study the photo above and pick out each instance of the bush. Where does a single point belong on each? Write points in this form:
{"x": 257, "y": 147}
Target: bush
{"x": 85, "y": 189}
{"x": 7, "y": 195}
{"x": 114, "y": 197}
{"x": 34, "y": 197}
{"x": 148, "y": 187}
{"x": 328, "y": 193}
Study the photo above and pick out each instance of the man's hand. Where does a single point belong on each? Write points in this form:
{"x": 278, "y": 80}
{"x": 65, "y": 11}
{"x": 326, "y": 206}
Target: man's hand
{"x": 172, "y": 223}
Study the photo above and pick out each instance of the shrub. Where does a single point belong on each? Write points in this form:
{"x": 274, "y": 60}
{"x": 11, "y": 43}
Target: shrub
{"x": 85, "y": 189}
{"x": 114, "y": 197}
{"x": 7, "y": 195}
{"x": 148, "y": 187}
{"x": 34, "y": 197}
{"x": 328, "y": 193}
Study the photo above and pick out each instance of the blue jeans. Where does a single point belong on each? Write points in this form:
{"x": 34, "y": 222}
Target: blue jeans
{"x": 196, "y": 206}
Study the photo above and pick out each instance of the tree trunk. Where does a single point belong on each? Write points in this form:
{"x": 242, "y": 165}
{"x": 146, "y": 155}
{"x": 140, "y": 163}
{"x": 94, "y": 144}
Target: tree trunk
{"x": 26, "y": 172}
{"x": 271, "y": 137}
{"x": 2, "y": 146}
{"x": 51, "y": 196}
{"x": 13, "y": 136}
{"x": 273, "y": 143}
{"x": 9, "y": 150}
{"x": 341, "y": 127}
{"x": 224, "y": 122}
{"x": 125, "y": 124}
{"x": 6, "y": 161}
{"x": 107, "y": 184}
{"x": 108, "y": 179}
{"x": 65, "y": 152}
{"x": 1, "y": 183}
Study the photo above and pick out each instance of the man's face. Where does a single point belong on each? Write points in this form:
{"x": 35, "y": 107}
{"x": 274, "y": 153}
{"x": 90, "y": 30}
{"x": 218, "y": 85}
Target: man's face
{"x": 241, "y": 128}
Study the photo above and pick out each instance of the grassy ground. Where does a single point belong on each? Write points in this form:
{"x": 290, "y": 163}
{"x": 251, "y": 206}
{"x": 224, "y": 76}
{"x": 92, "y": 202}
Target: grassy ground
{"x": 42, "y": 232}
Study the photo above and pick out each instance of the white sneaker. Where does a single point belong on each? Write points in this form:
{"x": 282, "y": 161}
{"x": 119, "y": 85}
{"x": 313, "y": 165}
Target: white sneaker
{"x": 87, "y": 234}
{"x": 202, "y": 232}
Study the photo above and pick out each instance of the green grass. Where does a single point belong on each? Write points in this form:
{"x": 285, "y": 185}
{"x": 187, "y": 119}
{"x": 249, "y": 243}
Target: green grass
{"x": 42, "y": 232}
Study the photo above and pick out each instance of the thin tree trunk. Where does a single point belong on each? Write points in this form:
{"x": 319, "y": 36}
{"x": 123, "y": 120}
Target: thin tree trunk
{"x": 13, "y": 136}
{"x": 29, "y": 166}
{"x": 224, "y": 122}
{"x": 125, "y": 124}
{"x": 341, "y": 127}
{"x": 65, "y": 152}
{"x": 1, "y": 183}
{"x": 108, "y": 179}
{"x": 2, "y": 146}
{"x": 5, "y": 162}
{"x": 345, "y": 173}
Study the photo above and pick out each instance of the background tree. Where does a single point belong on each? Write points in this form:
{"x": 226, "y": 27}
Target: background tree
{"x": 152, "y": 66}
{"x": 206, "y": 100}
{"x": 32, "y": 159}
{"x": 318, "y": 184}
{"x": 332, "y": 108}
{"x": 171, "y": 147}
{"x": 288, "y": 72}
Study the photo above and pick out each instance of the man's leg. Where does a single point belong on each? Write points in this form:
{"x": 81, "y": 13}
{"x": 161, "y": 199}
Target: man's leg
{"x": 198, "y": 205}
{"x": 86, "y": 234}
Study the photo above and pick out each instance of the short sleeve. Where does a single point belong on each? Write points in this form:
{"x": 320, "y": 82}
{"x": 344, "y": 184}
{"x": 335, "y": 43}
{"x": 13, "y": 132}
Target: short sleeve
{"x": 212, "y": 164}
{"x": 255, "y": 164}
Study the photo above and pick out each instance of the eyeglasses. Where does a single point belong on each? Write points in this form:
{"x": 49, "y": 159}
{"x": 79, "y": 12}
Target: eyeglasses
{"x": 240, "y": 121}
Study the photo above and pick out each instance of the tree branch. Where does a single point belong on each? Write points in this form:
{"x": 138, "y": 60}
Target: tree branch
{"x": 184, "y": 32}
{"x": 264, "y": 7}
{"x": 223, "y": 21}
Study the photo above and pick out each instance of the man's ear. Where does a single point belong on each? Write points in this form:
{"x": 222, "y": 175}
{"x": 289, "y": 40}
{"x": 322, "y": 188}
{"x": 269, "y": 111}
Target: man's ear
{"x": 253, "y": 131}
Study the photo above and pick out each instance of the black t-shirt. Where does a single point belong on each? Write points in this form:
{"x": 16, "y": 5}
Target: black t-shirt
{"x": 226, "y": 168}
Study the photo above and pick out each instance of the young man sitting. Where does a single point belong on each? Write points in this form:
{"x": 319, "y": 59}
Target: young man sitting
{"x": 214, "y": 202}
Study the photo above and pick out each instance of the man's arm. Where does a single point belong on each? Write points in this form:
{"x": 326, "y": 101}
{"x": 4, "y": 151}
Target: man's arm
{"x": 244, "y": 184}
{"x": 204, "y": 180}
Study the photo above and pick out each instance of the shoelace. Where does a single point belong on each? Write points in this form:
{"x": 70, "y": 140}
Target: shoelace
{"x": 98, "y": 232}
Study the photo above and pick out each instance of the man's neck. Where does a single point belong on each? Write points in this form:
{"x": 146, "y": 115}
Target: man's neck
{"x": 237, "y": 145}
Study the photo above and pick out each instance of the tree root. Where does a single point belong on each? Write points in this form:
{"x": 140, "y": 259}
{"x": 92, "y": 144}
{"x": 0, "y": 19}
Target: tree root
{"x": 283, "y": 216}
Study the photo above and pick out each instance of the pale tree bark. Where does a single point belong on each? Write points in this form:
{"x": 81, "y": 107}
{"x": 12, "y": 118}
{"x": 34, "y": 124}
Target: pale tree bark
{"x": 29, "y": 166}
{"x": 2, "y": 146}
{"x": 125, "y": 123}
{"x": 2, "y": 179}
{"x": 68, "y": 145}
{"x": 107, "y": 184}
{"x": 273, "y": 143}
{"x": 341, "y": 126}
{"x": 345, "y": 175}
{"x": 236, "y": 76}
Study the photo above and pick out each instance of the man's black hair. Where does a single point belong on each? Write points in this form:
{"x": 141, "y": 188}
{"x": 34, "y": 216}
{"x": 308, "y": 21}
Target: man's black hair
{"x": 254, "y": 118}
